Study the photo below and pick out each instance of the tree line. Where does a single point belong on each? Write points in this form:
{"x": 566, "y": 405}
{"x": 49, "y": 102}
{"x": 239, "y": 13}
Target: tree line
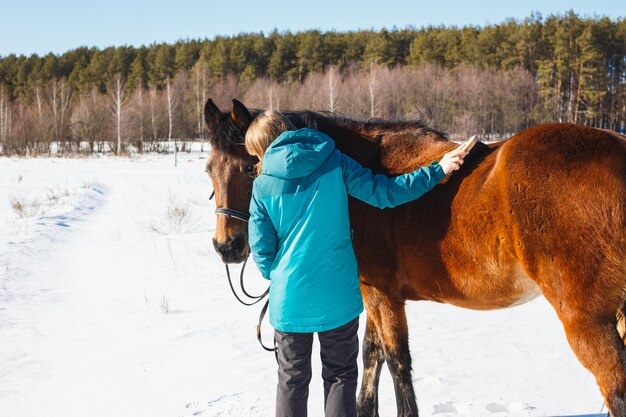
{"x": 495, "y": 80}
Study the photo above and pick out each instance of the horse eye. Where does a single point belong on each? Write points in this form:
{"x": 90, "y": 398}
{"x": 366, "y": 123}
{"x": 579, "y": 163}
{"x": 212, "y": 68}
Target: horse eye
{"x": 249, "y": 169}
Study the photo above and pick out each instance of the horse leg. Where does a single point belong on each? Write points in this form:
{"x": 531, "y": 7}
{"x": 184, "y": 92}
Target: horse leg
{"x": 389, "y": 317}
{"x": 594, "y": 337}
{"x": 600, "y": 349}
{"x": 373, "y": 358}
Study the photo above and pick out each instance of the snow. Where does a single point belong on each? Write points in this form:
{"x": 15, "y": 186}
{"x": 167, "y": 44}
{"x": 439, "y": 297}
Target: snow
{"x": 114, "y": 303}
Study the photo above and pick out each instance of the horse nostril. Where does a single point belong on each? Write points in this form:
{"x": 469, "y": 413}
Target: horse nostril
{"x": 231, "y": 248}
{"x": 236, "y": 244}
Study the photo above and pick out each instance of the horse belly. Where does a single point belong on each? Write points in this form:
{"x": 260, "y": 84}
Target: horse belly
{"x": 492, "y": 288}
{"x": 503, "y": 290}
{"x": 527, "y": 290}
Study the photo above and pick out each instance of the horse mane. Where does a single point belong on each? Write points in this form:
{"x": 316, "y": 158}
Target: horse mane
{"x": 362, "y": 139}
{"x": 372, "y": 129}
{"x": 385, "y": 146}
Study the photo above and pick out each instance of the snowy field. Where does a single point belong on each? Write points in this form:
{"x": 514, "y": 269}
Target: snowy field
{"x": 113, "y": 303}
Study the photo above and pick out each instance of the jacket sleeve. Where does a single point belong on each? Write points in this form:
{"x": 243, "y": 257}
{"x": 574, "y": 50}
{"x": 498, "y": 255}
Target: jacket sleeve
{"x": 262, "y": 236}
{"x": 382, "y": 191}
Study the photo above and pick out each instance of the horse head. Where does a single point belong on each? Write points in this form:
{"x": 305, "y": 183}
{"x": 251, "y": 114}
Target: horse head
{"x": 231, "y": 169}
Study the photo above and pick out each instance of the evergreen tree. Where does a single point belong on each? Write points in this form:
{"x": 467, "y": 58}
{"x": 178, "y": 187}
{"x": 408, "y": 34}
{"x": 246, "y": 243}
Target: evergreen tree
{"x": 283, "y": 63}
{"x": 218, "y": 59}
{"x": 591, "y": 67}
{"x": 310, "y": 54}
{"x": 163, "y": 66}
{"x": 137, "y": 76}
{"x": 186, "y": 54}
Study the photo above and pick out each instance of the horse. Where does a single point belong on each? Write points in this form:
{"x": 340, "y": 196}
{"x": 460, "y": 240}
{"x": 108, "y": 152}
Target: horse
{"x": 543, "y": 212}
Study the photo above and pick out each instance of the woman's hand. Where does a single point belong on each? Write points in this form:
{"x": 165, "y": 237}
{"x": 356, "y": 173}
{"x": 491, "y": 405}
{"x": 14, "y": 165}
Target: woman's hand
{"x": 453, "y": 160}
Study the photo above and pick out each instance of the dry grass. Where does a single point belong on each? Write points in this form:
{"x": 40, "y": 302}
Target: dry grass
{"x": 55, "y": 195}
{"x": 177, "y": 219}
{"x": 164, "y": 305}
{"x": 25, "y": 208}
{"x": 178, "y": 216}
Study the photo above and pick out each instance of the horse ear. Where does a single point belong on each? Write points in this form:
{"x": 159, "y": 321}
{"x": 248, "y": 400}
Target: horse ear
{"x": 240, "y": 114}
{"x": 211, "y": 114}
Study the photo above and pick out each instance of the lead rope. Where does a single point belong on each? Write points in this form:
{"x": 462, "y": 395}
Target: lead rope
{"x": 256, "y": 299}
{"x": 258, "y": 332}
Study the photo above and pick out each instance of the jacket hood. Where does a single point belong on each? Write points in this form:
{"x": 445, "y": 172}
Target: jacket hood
{"x": 297, "y": 153}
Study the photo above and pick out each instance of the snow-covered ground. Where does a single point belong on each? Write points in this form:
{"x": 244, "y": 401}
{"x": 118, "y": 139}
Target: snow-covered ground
{"x": 113, "y": 303}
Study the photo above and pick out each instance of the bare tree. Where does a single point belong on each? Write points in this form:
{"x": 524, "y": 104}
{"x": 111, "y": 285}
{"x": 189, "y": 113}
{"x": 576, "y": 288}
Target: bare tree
{"x": 266, "y": 93}
{"x": 153, "y": 124}
{"x": 90, "y": 121}
{"x": 3, "y": 138}
{"x": 223, "y": 91}
{"x": 311, "y": 93}
{"x": 372, "y": 89}
{"x": 140, "y": 96}
{"x": 271, "y": 98}
{"x": 39, "y": 99}
{"x": 170, "y": 107}
{"x": 119, "y": 99}
{"x": 200, "y": 83}
{"x": 60, "y": 98}
{"x": 175, "y": 92}
{"x": 332, "y": 88}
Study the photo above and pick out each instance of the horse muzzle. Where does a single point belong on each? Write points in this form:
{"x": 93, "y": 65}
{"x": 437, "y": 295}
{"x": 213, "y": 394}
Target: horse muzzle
{"x": 232, "y": 251}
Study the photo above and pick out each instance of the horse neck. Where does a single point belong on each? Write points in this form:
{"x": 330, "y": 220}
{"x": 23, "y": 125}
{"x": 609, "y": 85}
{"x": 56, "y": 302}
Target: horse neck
{"x": 354, "y": 142}
{"x": 390, "y": 149}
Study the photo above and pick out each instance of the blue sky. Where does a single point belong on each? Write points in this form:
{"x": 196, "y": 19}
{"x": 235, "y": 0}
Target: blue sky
{"x": 36, "y": 26}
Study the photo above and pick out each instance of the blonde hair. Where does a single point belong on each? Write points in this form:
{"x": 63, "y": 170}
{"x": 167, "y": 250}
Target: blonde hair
{"x": 266, "y": 127}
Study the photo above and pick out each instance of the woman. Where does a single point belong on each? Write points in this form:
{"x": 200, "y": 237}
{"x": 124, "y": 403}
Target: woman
{"x": 299, "y": 236}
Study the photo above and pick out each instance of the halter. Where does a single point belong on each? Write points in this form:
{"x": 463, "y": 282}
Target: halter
{"x": 235, "y": 214}
{"x": 228, "y": 212}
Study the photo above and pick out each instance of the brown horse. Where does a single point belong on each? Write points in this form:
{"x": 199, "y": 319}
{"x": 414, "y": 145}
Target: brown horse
{"x": 541, "y": 213}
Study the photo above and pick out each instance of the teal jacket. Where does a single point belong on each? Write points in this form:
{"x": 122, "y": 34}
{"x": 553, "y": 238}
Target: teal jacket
{"x": 299, "y": 229}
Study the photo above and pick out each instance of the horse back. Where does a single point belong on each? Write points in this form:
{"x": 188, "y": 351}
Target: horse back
{"x": 492, "y": 235}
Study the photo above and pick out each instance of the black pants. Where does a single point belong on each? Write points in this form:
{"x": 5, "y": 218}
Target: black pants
{"x": 339, "y": 349}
